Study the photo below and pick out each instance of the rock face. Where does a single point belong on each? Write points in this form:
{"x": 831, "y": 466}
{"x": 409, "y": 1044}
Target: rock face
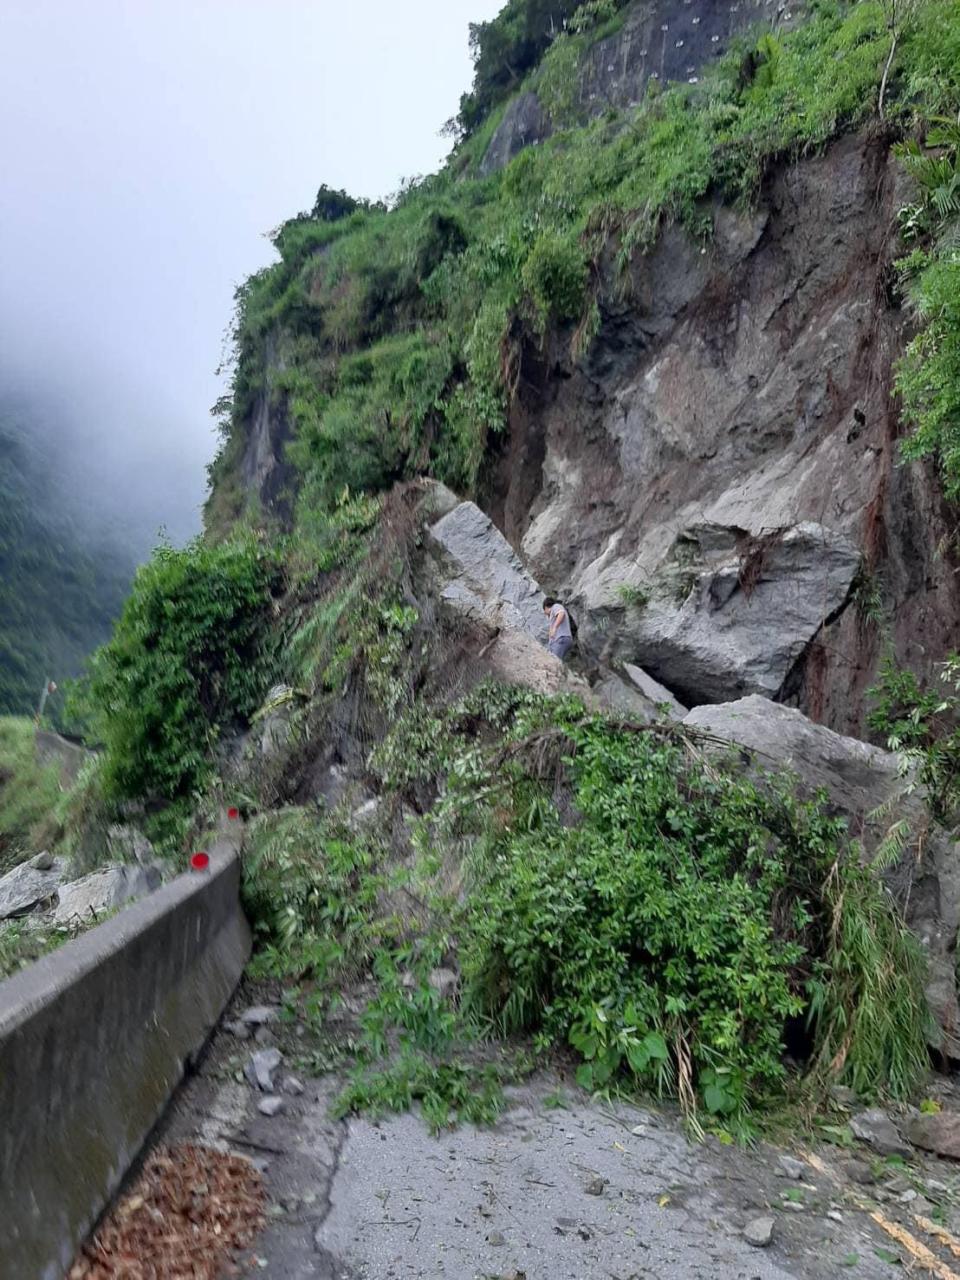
{"x": 103, "y": 891}
{"x": 716, "y": 487}
{"x": 666, "y": 40}
{"x": 858, "y": 779}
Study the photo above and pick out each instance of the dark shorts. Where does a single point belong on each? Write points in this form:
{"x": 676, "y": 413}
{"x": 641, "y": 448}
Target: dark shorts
{"x": 559, "y": 646}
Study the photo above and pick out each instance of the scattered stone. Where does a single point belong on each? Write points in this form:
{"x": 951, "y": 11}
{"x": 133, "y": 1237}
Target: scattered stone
{"x": 42, "y": 861}
{"x": 793, "y": 1206}
{"x": 877, "y": 1130}
{"x": 859, "y": 1172}
{"x": 759, "y": 1232}
{"x": 259, "y": 1014}
{"x": 26, "y": 887}
{"x": 270, "y": 1106}
{"x": 261, "y": 1067}
{"x": 444, "y": 982}
{"x": 843, "y": 1095}
{"x": 293, "y": 1086}
{"x": 595, "y": 1186}
{"x": 238, "y": 1029}
{"x": 835, "y": 1215}
{"x": 790, "y": 1167}
{"x": 103, "y": 891}
{"x": 939, "y": 1133}
{"x": 496, "y": 1239}
{"x": 366, "y": 812}
{"x": 908, "y": 1196}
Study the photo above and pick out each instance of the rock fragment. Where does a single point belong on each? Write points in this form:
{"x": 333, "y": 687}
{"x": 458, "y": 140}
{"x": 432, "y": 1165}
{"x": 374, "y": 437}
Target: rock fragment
{"x": 270, "y": 1106}
{"x": 877, "y": 1130}
{"x": 261, "y": 1067}
{"x": 759, "y": 1232}
{"x": 939, "y": 1133}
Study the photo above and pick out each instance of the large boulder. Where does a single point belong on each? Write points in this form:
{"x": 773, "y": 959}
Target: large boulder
{"x": 102, "y": 891}
{"x": 724, "y": 613}
{"x": 483, "y": 578}
{"x": 865, "y": 784}
{"x": 28, "y": 886}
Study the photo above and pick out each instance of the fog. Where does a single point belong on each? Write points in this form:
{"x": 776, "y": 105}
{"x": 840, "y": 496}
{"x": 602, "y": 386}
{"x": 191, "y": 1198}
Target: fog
{"x": 147, "y": 146}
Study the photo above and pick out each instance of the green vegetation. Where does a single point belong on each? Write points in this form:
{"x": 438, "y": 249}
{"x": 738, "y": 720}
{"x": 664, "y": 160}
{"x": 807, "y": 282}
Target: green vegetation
{"x": 929, "y": 374}
{"x": 669, "y": 935}
{"x": 187, "y": 659}
{"x": 58, "y": 594}
{"x": 29, "y": 793}
{"x": 391, "y": 336}
{"x": 922, "y": 726}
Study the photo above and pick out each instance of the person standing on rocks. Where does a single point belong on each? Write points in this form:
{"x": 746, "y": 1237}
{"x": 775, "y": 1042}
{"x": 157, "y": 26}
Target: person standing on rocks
{"x": 559, "y": 633}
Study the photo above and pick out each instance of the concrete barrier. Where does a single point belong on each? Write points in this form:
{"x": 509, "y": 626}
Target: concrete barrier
{"x": 93, "y": 1041}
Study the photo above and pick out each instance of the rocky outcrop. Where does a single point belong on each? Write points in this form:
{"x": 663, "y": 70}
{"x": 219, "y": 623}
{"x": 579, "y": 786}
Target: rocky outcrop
{"x": 716, "y": 487}
{"x": 664, "y": 40}
{"x": 865, "y": 784}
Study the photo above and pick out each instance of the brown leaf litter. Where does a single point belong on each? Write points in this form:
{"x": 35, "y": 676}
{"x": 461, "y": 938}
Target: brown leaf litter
{"x": 188, "y": 1216}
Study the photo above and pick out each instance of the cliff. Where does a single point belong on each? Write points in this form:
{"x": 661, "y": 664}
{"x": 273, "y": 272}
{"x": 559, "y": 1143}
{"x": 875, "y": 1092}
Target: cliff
{"x": 650, "y": 364}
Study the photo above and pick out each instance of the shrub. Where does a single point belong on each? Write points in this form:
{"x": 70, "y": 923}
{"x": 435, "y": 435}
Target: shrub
{"x": 555, "y": 277}
{"x": 674, "y": 929}
{"x": 186, "y": 657}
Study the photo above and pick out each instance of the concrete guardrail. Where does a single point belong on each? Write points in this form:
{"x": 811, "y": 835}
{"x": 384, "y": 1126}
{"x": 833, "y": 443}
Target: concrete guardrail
{"x": 93, "y": 1041}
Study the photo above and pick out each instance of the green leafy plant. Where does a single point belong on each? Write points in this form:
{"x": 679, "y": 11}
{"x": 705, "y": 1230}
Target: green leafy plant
{"x": 187, "y": 657}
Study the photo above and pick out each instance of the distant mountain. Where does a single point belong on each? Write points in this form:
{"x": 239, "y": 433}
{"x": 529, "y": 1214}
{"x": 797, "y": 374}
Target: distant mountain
{"x": 61, "y": 582}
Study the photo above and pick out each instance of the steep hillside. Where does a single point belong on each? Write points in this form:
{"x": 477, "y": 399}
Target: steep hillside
{"x": 61, "y": 586}
{"x": 649, "y": 363}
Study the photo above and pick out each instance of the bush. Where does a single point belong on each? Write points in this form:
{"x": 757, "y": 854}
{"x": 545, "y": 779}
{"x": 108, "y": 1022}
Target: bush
{"x": 675, "y": 928}
{"x": 186, "y": 658}
{"x": 555, "y": 277}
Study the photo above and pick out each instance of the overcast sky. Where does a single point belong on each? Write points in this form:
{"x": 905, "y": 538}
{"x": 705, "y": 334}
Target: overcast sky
{"x": 146, "y": 147}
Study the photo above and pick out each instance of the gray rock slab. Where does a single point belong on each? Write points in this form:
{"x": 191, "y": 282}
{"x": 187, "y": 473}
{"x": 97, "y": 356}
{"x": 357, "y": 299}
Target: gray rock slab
{"x": 104, "y": 891}
{"x": 939, "y": 1133}
{"x": 128, "y": 844}
{"x": 877, "y": 1130}
{"x": 259, "y": 1014}
{"x": 759, "y": 1232}
{"x": 26, "y": 887}
{"x": 270, "y": 1106}
{"x": 261, "y": 1067}
{"x": 709, "y": 635}
{"x": 484, "y": 577}
{"x": 658, "y": 694}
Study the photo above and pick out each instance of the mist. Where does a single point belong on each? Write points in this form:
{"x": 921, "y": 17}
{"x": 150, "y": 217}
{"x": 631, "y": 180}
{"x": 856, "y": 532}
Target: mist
{"x": 147, "y": 148}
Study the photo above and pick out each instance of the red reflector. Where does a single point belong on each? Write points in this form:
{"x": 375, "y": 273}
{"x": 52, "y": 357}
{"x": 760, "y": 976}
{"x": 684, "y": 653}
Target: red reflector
{"x": 200, "y": 861}
{"x": 233, "y": 814}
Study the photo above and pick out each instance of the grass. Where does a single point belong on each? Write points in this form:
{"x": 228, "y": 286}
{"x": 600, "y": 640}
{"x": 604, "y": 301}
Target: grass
{"x": 29, "y": 793}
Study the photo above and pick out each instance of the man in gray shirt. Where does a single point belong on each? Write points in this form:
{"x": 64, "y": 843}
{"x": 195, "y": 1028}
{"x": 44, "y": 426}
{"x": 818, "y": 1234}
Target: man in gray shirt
{"x": 559, "y": 634}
